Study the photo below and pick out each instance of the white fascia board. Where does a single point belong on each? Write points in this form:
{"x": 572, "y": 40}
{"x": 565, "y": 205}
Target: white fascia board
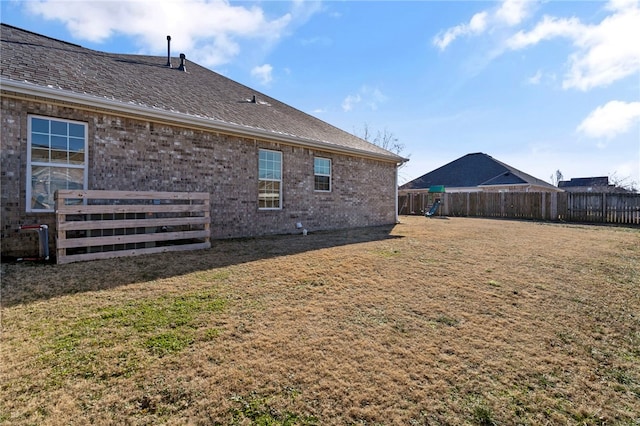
{"x": 462, "y": 189}
{"x": 504, "y": 185}
{"x": 61, "y": 95}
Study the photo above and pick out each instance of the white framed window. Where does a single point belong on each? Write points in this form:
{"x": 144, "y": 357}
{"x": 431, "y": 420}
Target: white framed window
{"x": 269, "y": 180}
{"x": 56, "y": 159}
{"x": 322, "y": 174}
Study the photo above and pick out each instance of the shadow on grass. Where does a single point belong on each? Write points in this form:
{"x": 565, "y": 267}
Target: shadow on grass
{"x": 27, "y": 282}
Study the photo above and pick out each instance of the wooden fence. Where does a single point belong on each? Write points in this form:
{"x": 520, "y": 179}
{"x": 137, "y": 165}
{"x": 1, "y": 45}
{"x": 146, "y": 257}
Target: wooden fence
{"x": 587, "y": 207}
{"x": 603, "y": 208}
{"x": 104, "y": 224}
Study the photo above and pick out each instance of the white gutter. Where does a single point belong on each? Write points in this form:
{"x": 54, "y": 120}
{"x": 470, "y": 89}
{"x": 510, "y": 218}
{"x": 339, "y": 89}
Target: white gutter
{"x": 61, "y": 95}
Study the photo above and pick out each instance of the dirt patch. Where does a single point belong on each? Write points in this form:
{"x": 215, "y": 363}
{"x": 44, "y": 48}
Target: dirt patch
{"x": 432, "y": 321}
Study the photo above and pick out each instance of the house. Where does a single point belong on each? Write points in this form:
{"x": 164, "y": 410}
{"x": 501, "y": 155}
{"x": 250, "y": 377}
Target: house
{"x": 588, "y": 184}
{"x": 477, "y": 172}
{"x": 77, "y": 118}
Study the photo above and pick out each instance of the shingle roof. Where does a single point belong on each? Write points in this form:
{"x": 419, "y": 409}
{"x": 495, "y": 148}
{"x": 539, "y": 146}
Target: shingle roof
{"x": 472, "y": 170}
{"x": 146, "y": 81}
{"x": 586, "y": 182}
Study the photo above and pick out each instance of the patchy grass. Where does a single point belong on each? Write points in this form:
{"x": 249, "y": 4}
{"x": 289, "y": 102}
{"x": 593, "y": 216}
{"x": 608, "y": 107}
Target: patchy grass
{"x": 458, "y": 321}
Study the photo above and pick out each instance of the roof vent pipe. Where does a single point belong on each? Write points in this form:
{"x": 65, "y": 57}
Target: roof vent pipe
{"x": 182, "y": 67}
{"x": 169, "y": 51}
{"x": 253, "y": 99}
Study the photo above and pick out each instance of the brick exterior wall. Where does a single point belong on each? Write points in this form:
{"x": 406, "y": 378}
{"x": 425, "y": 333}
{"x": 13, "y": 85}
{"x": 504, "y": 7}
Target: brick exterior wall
{"x": 134, "y": 154}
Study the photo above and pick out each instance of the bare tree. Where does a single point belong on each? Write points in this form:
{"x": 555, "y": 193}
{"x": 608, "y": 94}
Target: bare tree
{"x": 556, "y": 177}
{"x": 623, "y": 184}
{"x": 384, "y": 139}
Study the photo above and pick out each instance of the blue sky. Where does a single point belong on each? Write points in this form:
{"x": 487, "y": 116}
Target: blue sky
{"x": 539, "y": 85}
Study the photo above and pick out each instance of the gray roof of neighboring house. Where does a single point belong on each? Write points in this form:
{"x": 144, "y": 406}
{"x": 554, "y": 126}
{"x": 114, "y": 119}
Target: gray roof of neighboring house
{"x": 599, "y": 181}
{"x": 473, "y": 170}
{"x": 148, "y": 85}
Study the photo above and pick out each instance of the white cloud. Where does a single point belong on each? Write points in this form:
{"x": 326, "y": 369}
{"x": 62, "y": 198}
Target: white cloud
{"x": 605, "y": 53}
{"x": 375, "y": 97}
{"x": 350, "y": 101}
{"x": 512, "y": 12}
{"x": 210, "y": 32}
{"x": 610, "y": 120}
{"x": 546, "y": 29}
{"x": 263, "y": 73}
{"x": 509, "y": 13}
{"x": 476, "y": 25}
{"x": 622, "y": 4}
{"x": 371, "y": 97}
{"x": 608, "y": 52}
{"x": 218, "y": 51}
{"x": 535, "y": 79}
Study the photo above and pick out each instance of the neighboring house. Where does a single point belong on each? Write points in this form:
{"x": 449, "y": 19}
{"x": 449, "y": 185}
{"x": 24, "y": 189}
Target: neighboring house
{"x": 477, "y": 172}
{"x": 79, "y": 118}
{"x": 588, "y": 184}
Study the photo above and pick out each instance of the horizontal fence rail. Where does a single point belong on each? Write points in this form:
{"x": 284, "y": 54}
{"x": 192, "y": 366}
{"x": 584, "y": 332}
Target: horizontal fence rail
{"x": 105, "y": 224}
{"x": 587, "y": 207}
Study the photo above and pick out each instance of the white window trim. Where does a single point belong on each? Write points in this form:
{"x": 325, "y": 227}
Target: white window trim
{"x": 84, "y": 166}
{"x": 271, "y": 180}
{"x": 322, "y": 174}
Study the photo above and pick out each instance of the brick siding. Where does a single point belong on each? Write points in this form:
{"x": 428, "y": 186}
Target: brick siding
{"x": 134, "y": 154}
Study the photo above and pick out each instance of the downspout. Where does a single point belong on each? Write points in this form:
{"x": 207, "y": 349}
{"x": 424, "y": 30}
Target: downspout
{"x": 396, "y": 186}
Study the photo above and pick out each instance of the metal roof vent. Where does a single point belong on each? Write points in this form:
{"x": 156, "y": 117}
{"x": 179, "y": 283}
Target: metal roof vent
{"x": 169, "y": 51}
{"x": 182, "y": 66}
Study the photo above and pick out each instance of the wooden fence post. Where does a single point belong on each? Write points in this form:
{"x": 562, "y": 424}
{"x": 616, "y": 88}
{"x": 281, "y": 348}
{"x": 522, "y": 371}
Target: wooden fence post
{"x": 468, "y": 203}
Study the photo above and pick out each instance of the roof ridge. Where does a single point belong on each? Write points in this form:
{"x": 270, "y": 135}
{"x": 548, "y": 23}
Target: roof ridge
{"x": 41, "y": 35}
{"x": 522, "y": 175}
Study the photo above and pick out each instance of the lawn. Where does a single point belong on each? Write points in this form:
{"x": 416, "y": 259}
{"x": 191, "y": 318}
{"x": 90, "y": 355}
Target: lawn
{"x": 431, "y": 321}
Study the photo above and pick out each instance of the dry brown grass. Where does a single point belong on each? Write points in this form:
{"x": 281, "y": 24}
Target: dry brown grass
{"x": 440, "y": 321}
